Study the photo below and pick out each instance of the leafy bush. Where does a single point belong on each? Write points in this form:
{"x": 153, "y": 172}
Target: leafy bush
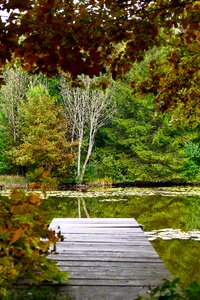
{"x": 191, "y": 167}
{"x": 36, "y": 293}
{"x": 24, "y": 241}
{"x": 41, "y": 179}
{"x": 170, "y": 290}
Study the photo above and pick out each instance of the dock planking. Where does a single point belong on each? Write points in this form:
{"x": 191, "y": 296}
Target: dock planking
{"x": 108, "y": 259}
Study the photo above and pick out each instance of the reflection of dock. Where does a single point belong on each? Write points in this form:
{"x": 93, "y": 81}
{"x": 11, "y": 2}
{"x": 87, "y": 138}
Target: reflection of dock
{"x": 106, "y": 259}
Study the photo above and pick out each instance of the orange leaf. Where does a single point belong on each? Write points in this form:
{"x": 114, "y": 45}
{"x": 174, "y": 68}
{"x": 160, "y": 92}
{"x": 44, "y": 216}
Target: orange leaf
{"x": 16, "y": 235}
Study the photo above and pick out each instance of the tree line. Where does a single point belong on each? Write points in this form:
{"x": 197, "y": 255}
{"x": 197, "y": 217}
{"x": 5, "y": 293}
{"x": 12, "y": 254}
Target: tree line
{"x": 107, "y": 36}
{"x": 144, "y": 57}
{"x": 85, "y": 134}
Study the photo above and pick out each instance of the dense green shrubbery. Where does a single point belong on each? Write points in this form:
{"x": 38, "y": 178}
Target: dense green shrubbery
{"x": 170, "y": 290}
{"x": 139, "y": 144}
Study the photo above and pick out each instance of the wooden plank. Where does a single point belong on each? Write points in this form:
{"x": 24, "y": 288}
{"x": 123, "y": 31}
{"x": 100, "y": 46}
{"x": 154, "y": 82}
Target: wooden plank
{"x": 112, "y": 282}
{"x": 111, "y": 252}
{"x": 97, "y": 230}
{"x": 116, "y": 272}
{"x": 99, "y": 292}
{"x": 103, "y": 236}
{"x": 106, "y": 258}
{"x": 59, "y": 221}
{"x": 106, "y": 254}
{"x": 89, "y": 222}
{"x": 112, "y": 279}
{"x": 108, "y": 246}
{"x": 94, "y": 226}
{"x": 77, "y": 238}
{"x": 62, "y": 247}
{"x": 111, "y": 242}
{"x": 111, "y": 264}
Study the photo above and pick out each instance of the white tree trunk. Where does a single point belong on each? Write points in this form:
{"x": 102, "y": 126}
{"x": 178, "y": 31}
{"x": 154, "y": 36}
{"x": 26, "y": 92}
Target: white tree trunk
{"x": 79, "y": 157}
{"x": 85, "y": 209}
{"x": 87, "y": 109}
{"x": 79, "y": 208}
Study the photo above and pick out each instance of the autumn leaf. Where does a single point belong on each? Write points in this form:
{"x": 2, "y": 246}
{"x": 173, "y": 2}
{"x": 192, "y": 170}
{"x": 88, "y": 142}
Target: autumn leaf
{"x": 22, "y": 251}
{"x": 34, "y": 199}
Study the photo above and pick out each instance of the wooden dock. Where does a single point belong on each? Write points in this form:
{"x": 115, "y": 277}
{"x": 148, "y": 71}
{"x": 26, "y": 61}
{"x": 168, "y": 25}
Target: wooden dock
{"x": 108, "y": 259}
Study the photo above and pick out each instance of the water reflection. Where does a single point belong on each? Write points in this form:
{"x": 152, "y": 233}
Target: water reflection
{"x": 81, "y": 202}
{"x": 181, "y": 257}
{"x": 153, "y": 212}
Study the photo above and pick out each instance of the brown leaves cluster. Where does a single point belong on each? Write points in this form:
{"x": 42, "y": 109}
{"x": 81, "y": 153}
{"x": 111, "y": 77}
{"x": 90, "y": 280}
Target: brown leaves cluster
{"x": 81, "y": 36}
{"x": 97, "y": 36}
{"x": 175, "y": 81}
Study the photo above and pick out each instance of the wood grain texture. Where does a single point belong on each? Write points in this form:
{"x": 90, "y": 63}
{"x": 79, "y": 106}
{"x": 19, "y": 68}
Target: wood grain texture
{"x": 108, "y": 259}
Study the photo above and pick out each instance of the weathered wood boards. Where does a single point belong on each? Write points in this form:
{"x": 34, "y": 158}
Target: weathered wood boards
{"x": 106, "y": 259}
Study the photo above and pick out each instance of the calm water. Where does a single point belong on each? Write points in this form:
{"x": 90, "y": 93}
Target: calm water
{"x": 154, "y": 209}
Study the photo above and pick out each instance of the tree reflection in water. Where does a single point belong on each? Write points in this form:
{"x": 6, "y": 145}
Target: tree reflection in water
{"x": 81, "y": 201}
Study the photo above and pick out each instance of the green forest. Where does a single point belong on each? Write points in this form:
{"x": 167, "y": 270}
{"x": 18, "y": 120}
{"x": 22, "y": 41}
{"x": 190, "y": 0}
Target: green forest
{"x": 110, "y": 96}
{"x": 85, "y": 134}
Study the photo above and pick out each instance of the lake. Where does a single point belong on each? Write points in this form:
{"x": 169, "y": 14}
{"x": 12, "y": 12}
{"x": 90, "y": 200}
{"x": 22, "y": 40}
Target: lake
{"x": 170, "y": 218}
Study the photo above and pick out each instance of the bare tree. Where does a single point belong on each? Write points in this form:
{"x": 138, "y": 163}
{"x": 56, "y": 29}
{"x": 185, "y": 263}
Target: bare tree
{"x": 12, "y": 92}
{"x": 86, "y": 109}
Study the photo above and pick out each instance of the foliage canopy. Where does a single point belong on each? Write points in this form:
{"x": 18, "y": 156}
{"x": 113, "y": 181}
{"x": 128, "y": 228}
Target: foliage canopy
{"x": 96, "y": 36}
{"x": 81, "y": 36}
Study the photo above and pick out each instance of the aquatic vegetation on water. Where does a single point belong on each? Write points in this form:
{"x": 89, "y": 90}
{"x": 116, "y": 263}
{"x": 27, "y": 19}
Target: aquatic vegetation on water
{"x": 117, "y": 192}
{"x": 170, "y": 233}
